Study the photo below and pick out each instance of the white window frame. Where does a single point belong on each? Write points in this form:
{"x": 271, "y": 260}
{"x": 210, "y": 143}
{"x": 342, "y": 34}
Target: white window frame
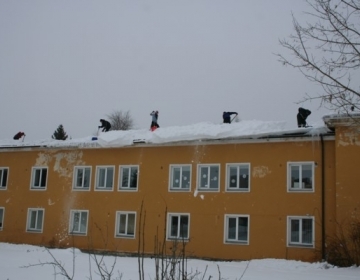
{"x": 300, "y": 243}
{"x": 300, "y": 187}
{"x": 117, "y": 224}
{"x": 35, "y": 229}
{"x": 239, "y": 166}
{"x": 121, "y": 174}
{"x": 169, "y": 236}
{"x": 227, "y": 240}
{"x": 2, "y": 215}
{"x": 198, "y": 184}
{"x": 2, "y": 169}
{"x": 71, "y": 222}
{"x": 75, "y": 176}
{"x": 98, "y": 169}
{"x": 33, "y": 178}
{"x": 172, "y": 168}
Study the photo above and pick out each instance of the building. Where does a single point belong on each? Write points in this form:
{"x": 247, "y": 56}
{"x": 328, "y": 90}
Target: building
{"x": 271, "y": 195}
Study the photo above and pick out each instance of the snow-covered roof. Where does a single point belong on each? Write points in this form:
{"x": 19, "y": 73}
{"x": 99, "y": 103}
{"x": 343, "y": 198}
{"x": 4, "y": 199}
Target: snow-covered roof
{"x": 252, "y": 129}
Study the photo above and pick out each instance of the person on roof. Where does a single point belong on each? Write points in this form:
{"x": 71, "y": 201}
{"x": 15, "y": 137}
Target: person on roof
{"x": 154, "y": 120}
{"x": 301, "y": 117}
{"x": 19, "y": 135}
{"x": 227, "y": 116}
{"x": 105, "y": 125}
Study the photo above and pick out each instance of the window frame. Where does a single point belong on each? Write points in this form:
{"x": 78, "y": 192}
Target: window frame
{"x": 75, "y": 173}
{"x": 97, "y": 178}
{"x": 300, "y": 164}
{"x": 302, "y": 244}
{"x": 2, "y": 176}
{"x": 169, "y": 237}
{"x": 238, "y": 188}
{"x": 198, "y": 177}
{"x": 71, "y": 221}
{"x": 33, "y": 178}
{"x": 2, "y": 217}
{"x": 29, "y": 221}
{"x": 226, "y": 229}
{"x": 118, "y": 221}
{"x": 120, "y": 187}
{"x": 171, "y": 172}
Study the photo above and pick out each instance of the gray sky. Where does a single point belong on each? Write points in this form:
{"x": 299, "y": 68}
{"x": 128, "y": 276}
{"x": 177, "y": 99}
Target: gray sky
{"x": 72, "y": 62}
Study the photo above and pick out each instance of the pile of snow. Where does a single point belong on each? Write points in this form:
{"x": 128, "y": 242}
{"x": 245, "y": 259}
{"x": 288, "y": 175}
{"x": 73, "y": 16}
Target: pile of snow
{"x": 16, "y": 262}
{"x": 195, "y": 132}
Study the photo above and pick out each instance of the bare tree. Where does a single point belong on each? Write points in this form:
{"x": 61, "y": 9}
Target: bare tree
{"x": 327, "y": 52}
{"x": 121, "y": 120}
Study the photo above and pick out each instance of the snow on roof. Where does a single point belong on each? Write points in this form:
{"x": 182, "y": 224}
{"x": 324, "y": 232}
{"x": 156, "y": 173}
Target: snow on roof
{"x": 196, "y": 132}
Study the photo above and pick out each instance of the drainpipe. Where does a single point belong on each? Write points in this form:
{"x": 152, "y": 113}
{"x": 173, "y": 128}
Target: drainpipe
{"x": 323, "y": 253}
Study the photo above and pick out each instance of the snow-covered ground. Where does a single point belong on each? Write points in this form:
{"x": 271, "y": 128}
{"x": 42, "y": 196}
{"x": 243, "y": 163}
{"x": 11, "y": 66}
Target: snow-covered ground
{"x": 16, "y": 261}
{"x": 195, "y": 132}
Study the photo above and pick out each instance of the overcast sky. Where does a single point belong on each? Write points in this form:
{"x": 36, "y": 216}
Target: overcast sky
{"x": 72, "y": 62}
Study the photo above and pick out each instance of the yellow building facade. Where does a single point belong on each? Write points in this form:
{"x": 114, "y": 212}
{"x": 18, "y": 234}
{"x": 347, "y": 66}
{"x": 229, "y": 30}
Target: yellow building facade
{"x": 230, "y": 199}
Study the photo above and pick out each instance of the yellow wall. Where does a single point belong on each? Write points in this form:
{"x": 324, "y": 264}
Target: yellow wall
{"x": 268, "y": 203}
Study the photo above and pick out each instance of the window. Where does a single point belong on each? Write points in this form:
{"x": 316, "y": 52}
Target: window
{"x": 2, "y": 211}
{"x": 3, "y": 177}
{"x": 128, "y": 177}
{"x": 104, "y": 177}
{"x": 300, "y": 231}
{"x": 237, "y": 229}
{"x": 178, "y": 226}
{"x": 35, "y": 220}
{"x": 82, "y": 177}
{"x": 180, "y": 177}
{"x": 208, "y": 177}
{"x": 238, "y": 177}
{"x": 301, "y": 176}
{"x": 78, "y": 222}
{"x": 39, "y": 177}
{"x": 125, "y": 224}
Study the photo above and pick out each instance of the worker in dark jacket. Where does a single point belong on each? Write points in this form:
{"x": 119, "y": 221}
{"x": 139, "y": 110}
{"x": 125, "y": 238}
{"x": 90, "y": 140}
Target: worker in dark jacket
{"x": 19, "y": 135}
{"x": 105, "y": 125}
{"x": 227, "y": 116}
{"x": 301, "y": 117}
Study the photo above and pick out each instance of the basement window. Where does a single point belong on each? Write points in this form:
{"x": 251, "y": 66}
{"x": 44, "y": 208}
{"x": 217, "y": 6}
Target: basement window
{"x": 178, "y": 226}
{"x": 125, "y": 224}
{"x": 35, "y": 220}
{"x": 301, "y": 231}
{"x": 78, "y": 222}
{"x": 237, "y": 229}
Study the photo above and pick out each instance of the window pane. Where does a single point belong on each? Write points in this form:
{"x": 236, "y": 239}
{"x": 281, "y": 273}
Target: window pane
{"x": 79, "y": 177}
{"x": 39, "y": 219}
{"x": 185, "y": 178}
{"x": 83, "y": 222}
{"x": 307, "y": 176}
{"x": 131, "y": 224}
{"x": 243, "y": 228}
{"x": 307, "y": 231}
{"x": 1, "y": 217}
{"x": 133, "y": 178}
{"x": 176, "y": 177}
{"x": 109, "y": 178}
{"x": 122, "y": 226}
{"x": 87, "y": 178}
{"x": 214, "y": 177}
{"x": 204, "y": 177}
{"x": 32, "y": 219}
{"x": 37, "y": 178}
{"x": 231, "y": 228}
{"x": 233, "y": 177}
{"x": 3, "y": 177}
{"x": 101, "y": 179}
{"x": 184, "y": 221}
{"x": 76, "y": 222}
{"x": 295, "y": 228}
{"x": 295, "y": 173}
{"x": 43, "y": 177}
{"x": 125, "y": 177}
{"x": 244, "y": 177}
{"x": 174, "y": 226}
